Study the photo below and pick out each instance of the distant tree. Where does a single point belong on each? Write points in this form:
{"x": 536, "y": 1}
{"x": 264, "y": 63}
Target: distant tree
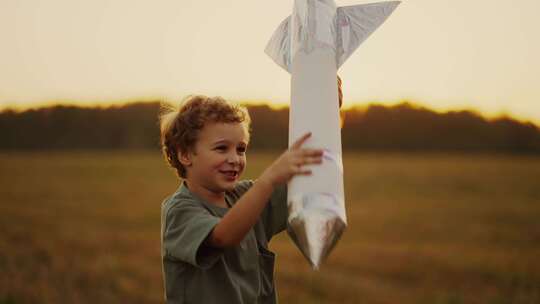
{"x": 403, "y": 127}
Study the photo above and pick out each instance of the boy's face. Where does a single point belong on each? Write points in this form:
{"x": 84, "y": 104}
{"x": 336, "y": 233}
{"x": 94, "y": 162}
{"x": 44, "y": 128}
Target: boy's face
{"x": 219, "y": 157}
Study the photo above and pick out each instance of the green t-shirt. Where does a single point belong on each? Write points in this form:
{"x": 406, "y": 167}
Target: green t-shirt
{"x": 197, "y": 273}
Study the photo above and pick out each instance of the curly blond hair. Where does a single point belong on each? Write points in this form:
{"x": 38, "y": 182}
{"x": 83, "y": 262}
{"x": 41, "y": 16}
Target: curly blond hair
{"x": 180, "y": 126}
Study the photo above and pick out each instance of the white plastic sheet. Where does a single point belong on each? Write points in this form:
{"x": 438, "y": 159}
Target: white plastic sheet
{"x": 320, "y": 23}
{"x": 312, "y": 44}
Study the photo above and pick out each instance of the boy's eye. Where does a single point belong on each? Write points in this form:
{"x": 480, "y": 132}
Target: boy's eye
{"x": 221, "y": 148}
{"x": 241, "y": 149}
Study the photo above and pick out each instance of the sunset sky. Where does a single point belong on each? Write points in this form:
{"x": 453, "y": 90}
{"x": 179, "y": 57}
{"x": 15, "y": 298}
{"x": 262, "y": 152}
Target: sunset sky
{"x": 443, "y": 54}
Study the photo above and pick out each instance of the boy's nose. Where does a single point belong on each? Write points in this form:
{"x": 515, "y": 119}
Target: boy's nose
{"x": 233, "y": 158}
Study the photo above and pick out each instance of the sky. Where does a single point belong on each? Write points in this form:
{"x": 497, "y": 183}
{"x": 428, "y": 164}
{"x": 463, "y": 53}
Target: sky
{"x": 442, "y": 54}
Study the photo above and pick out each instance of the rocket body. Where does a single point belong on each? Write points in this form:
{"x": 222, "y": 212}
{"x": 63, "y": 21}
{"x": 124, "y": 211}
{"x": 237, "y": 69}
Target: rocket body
{"x": 316, "y": 202}
{"x": 312, "y": 44}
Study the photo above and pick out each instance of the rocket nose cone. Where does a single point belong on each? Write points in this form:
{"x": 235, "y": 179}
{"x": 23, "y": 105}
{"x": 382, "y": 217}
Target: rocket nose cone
{"x": 315, "y": 232}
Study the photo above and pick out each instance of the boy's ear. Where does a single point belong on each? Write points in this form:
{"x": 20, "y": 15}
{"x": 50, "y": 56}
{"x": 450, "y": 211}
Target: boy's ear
{"x": 184, "y": 157}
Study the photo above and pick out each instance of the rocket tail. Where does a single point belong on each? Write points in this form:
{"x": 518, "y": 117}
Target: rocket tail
{"x": 278, "y": 48}
{"x": 355, "y": 23}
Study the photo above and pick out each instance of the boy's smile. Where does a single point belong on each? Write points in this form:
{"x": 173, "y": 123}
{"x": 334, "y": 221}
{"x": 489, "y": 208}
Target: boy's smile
{"x": 218, "y": 160}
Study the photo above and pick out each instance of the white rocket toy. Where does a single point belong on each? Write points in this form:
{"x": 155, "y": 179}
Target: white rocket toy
{"x": 311, "y": 45}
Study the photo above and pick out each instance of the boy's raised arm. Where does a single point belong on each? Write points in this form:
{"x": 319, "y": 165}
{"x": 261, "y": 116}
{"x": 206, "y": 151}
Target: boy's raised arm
{"x": 236, "y": 223}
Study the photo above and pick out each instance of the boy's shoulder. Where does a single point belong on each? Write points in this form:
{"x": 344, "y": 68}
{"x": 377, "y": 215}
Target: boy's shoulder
{"x": 179, "y": 198}
{"x": 240, "y": 188}
{"x": 182, "y": 197}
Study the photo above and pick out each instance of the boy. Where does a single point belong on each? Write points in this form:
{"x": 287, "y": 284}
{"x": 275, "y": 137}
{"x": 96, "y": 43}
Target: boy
{"x": 215, "y": 229}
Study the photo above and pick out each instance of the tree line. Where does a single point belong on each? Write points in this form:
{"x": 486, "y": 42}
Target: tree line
{"x": 402, "y": 127}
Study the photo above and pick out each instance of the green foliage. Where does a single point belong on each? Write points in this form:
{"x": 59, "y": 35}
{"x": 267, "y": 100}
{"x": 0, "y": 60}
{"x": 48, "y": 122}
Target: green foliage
{"x": 403, "y": 127}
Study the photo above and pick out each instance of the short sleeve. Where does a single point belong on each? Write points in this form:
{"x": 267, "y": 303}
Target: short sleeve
{"x": 276, "y": 212}
{"x": 187, "y": 225}
{"x": 241, "y": 188}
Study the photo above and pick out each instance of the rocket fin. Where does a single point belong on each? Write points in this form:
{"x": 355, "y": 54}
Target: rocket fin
{"x": 355, "y": 23}
{"x": 279, "y": 46}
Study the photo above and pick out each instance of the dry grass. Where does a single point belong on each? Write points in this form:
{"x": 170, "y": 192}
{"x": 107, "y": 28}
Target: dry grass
{"x": 84, "y": 228}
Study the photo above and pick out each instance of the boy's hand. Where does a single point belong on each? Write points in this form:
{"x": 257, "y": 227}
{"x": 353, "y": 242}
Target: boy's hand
{"x": 291, "y": 161}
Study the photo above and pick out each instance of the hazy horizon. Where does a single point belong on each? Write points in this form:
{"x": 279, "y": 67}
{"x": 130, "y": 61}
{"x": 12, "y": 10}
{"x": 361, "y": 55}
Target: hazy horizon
{"x": 443, "y": 55}
{"x": 349, "y": 106}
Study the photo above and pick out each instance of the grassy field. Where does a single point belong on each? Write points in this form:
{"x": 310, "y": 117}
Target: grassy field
{"x": 423, "y": 228}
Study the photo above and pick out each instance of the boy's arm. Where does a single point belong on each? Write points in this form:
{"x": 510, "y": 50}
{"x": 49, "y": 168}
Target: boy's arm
{"x": 236, "y": 223}
{"x": 243, "y": 215}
